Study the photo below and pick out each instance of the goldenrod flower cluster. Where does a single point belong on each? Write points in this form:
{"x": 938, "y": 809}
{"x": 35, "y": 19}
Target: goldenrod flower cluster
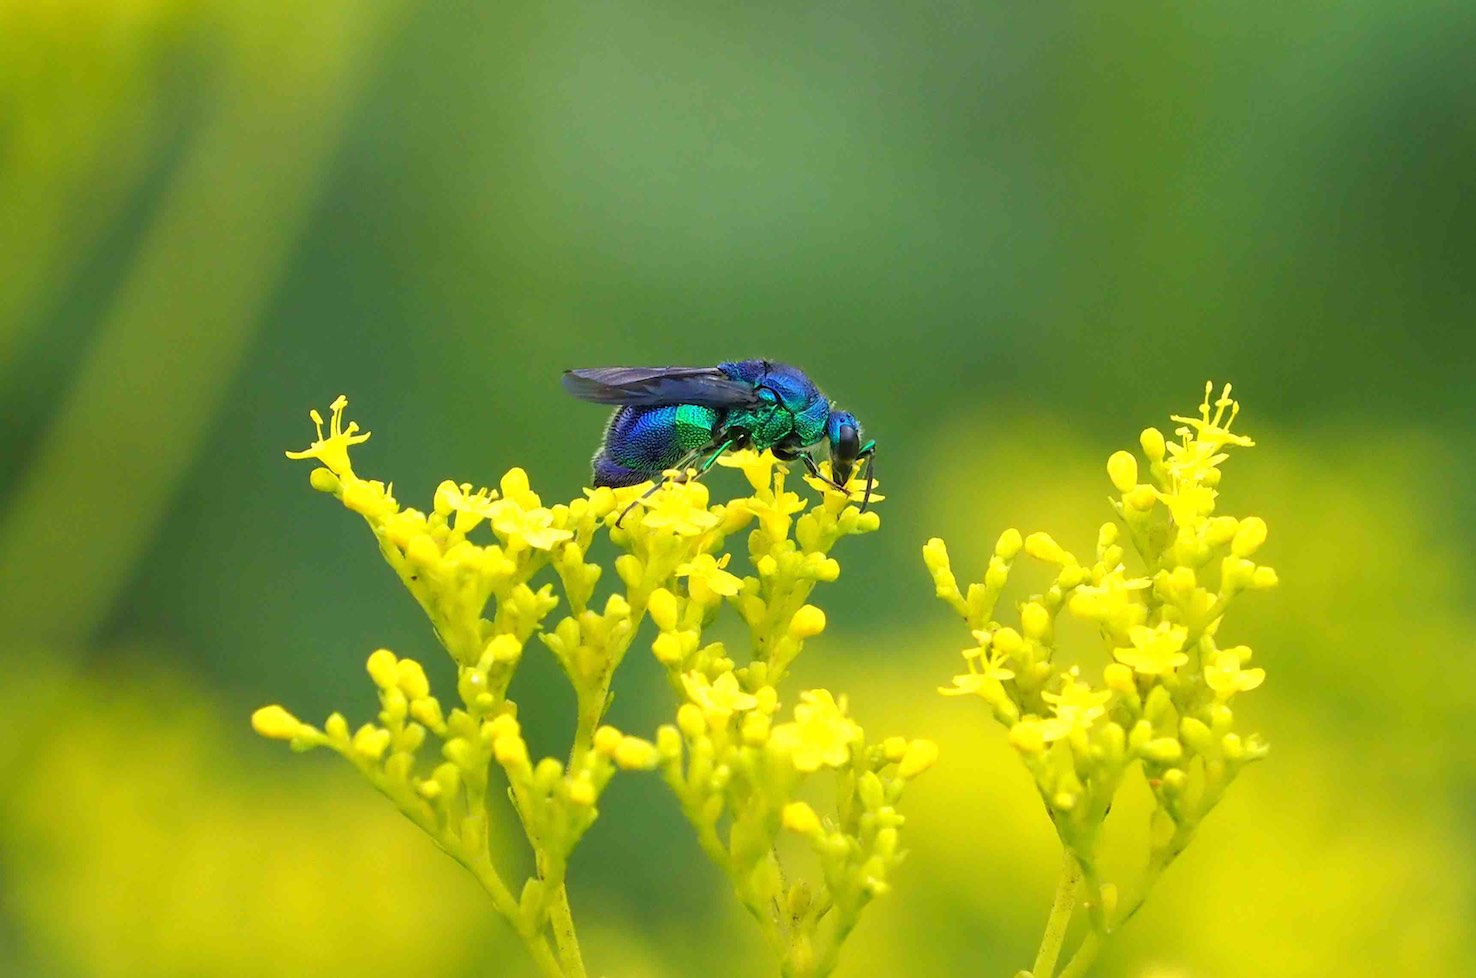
{"x": 1164, "y": 699}
{"x": 737, "y": 761}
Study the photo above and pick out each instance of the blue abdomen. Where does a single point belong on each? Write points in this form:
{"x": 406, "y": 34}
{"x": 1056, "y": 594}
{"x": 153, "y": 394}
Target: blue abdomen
{"x": 642, "y": 442}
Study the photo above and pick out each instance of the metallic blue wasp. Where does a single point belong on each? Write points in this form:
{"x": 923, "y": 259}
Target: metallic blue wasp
{"x": 675, "y": 417}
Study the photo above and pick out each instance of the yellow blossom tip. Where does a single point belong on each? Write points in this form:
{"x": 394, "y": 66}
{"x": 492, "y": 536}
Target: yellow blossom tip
{"x": 1042, "y": 546}
{"x": 662, "y": 606}
{"x": 383, "y": 668}
{"x": 1122, "y": 469}
{"x": 808, "y": 622}
{"x": 691, "y": 720}
{"x": 800, "y": 818}
{"x": 607, "y": 739}
{"x": 275, "y": 722}
{"x": 921, "y": 754}
{"x": 582, "y": 792}
{"x": 411, "y": 679}
{"x": 635, "y": 754}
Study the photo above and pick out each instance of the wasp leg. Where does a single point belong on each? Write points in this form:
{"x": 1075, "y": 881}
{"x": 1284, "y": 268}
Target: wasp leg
{"x": 680, "y": 466}
{"x": 870, "y": 456}
{"x": 681, "y": 475}
{"x": 815, "y": 471}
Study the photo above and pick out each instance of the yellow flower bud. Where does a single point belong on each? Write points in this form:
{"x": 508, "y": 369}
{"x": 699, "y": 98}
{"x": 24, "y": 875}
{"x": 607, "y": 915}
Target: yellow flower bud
{"x": 607, "y": 740}
{"x": 768, "y": 699}
{"x": 1042, "y": 546}
{"x": 582, "y": 792}
{"x": 1141, "y": 499}
{"x": 1026, "y": 737}
{"x": 1153, "y": 444}
{"x": 662, "y": 607}
{"x": 1122, "y": 469}
{"x": 509, "y": 751}
{"x": 1221, "y": 530}
{"x": 921, "y": 755}
{"x": 690, "y": 720}
{"x": 801, "y": 818}
{"x": 504, "y": 648}
{"x": 1249, "y": 537}
{"x": 411, "y": 679}
{"x": 668, "y": 742}
{"x": 635, "y": 754}
{"x": 371, "y": 741}
{"x": 1119, "y": 678}
{"x": 504, "y": 725}
{"x": 1035, "y": 620}
{"x": 384, "y": 669}
{"x": 275, "y": 722}
{"x": 323, "y": 480}
{"x": 808, "y": 622}
{"x": 1009, "y": 544}
{"x": 1263, "y": 578}
{"x": 1165, "y": 750}
{"x": 894, "y": 747}
{"x": 997, "y": 576}
{"x": 1007, "y": 641}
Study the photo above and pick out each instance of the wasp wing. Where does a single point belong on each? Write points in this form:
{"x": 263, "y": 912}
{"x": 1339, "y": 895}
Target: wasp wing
{"x": 656, "y": 386}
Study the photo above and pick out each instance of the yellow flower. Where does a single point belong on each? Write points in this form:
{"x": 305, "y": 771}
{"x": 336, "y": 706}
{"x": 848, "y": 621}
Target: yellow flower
{"x": 719, "y": 699}
{"x": 855, "y": 488}
{"x": 1076, "y": 706}
{"x": 986, "y": 680}
{"x": 1155, "y": 651}
{"x": 470, "y": 507}
{"x": 1204, "y": 437}
{"x": 1112, "y": 601}
{"x": 706, "y": 571}
{"x": 758, "y": 467}
{"x": 680, "y": 507}
{"x": 532, "y": 527}
{"x": 820, "y": 735}
{"x": 333, "y": 450}
{"x": 1224, "y": 675}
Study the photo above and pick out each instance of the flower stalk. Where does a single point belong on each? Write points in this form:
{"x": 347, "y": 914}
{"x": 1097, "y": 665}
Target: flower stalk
{"x": 1163, "y": 576}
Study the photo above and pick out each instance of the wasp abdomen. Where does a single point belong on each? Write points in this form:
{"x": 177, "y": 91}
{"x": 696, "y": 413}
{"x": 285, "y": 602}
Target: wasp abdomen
{"x": 642, "y": 442}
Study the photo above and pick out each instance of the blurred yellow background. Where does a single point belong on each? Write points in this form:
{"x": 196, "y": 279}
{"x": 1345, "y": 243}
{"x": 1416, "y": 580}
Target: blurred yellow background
{"x": 1006, "y": 237}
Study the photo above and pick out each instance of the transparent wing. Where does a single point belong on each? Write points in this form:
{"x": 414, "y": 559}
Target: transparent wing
{"x": 655, "y": 386}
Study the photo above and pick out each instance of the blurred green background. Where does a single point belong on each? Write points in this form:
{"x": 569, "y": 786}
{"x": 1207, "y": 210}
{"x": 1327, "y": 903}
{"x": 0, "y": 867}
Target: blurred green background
{"x": 1007, "y": 236}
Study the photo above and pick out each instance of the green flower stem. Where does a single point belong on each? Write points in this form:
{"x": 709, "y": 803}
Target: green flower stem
{"x": 562, "y": 920}
{"x": 503, "y": 900}
{"x": 1083, "y": 958}
{"x": 1060, "y": 919}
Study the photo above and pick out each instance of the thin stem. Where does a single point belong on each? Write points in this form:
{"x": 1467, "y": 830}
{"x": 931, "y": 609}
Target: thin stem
{"x": 1083, "y": 958}
{"x": 561, "y": 919}
{"x": 503, "y": 900}
{"x": 1060, "y": 919}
